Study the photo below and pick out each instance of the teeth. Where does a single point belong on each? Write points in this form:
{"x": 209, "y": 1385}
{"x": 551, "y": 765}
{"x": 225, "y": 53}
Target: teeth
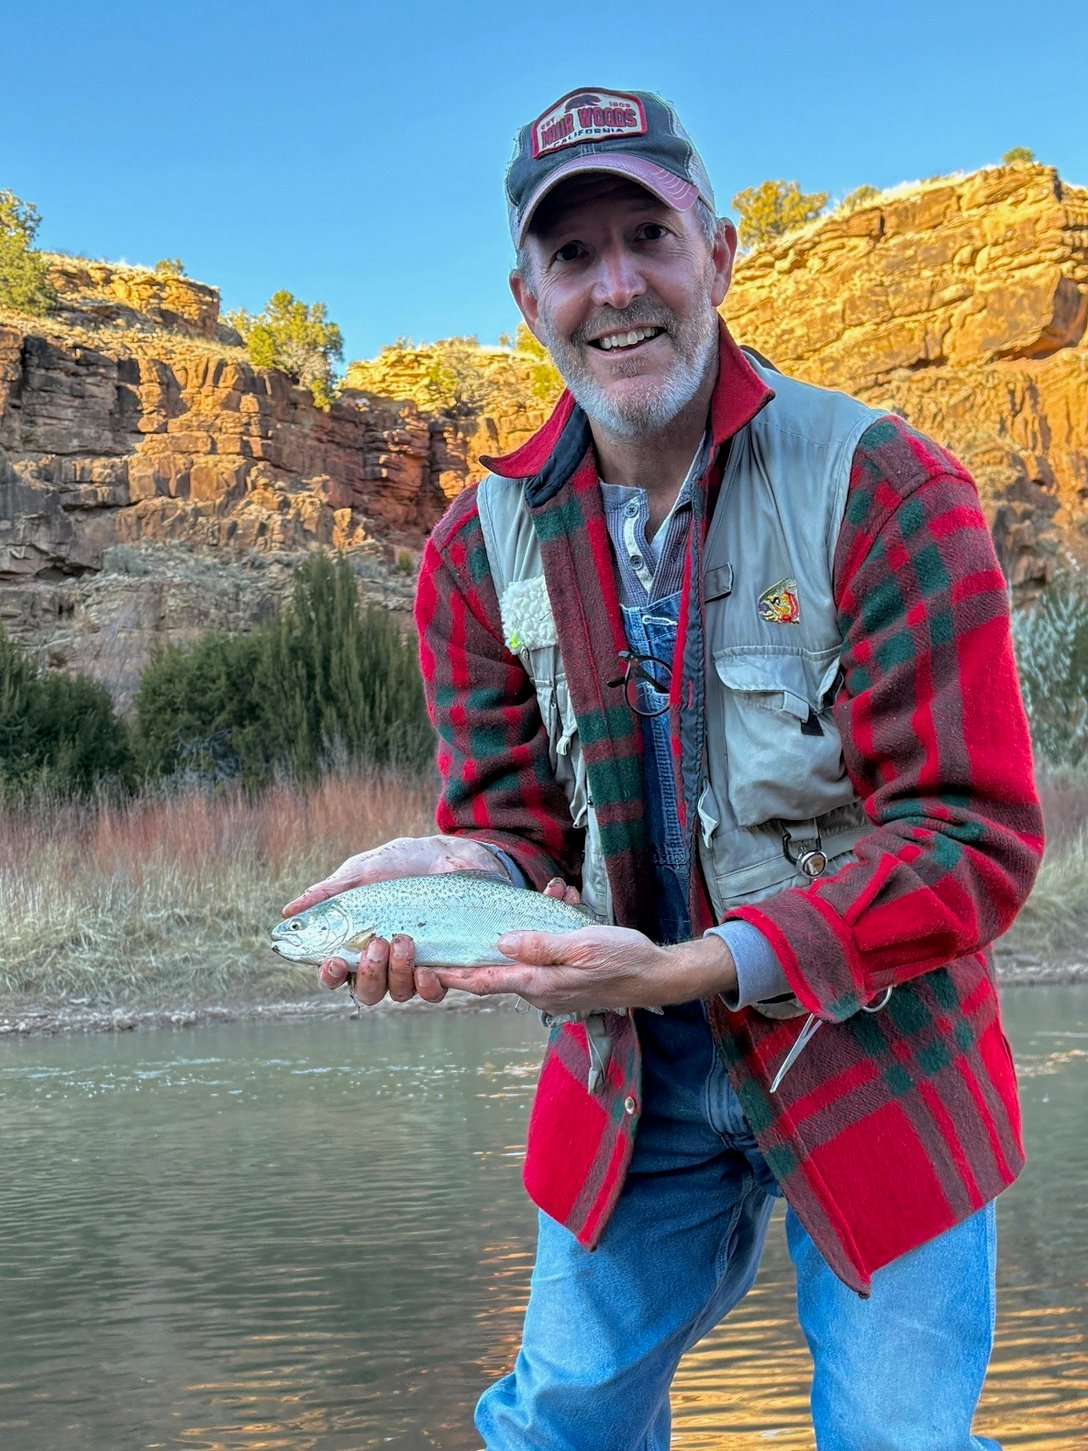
{"x": 627, "y": 340}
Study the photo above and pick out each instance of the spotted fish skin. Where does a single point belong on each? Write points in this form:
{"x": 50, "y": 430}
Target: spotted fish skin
{"x": 455, "y": 919}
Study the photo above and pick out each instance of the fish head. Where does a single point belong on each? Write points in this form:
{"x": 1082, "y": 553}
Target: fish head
{"x": 312, "y": 935}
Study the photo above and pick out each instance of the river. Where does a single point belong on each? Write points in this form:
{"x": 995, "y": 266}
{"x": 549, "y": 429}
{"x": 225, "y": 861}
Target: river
{"x": 311, "y": 1235}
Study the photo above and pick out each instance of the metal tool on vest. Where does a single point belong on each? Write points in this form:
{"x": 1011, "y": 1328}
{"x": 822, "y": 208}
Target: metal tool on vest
{"x": 804, "y": 1037}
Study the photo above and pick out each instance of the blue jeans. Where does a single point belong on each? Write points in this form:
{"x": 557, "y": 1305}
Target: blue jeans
{"x": 604, "y": 1331}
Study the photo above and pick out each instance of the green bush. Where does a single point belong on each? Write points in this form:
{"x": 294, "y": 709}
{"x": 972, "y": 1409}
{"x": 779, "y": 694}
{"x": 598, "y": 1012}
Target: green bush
{"x": 1018, "y": 156}
{"x": 321, "y": 686}
{"x": 545, "y": 381}
{"x": 170, "y": 267}
{"x": 774, "y": 208}
{"x": 859, "y": 197}
{"x": 59, "y": 734}
{"x": 194, "y": 711}
{"x": 295, "y": 338}
{"x": 24, "y": 273}
{"x": 1051, "y": 640}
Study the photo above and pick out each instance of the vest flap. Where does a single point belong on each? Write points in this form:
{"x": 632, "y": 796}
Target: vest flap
{"x": 779, "y": 676}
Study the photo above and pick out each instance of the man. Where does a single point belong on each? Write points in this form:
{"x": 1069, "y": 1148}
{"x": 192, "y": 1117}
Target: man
{"x": 730, "y": 653}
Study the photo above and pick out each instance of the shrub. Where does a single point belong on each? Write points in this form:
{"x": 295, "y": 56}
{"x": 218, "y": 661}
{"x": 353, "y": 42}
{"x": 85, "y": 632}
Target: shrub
{"x": 170, "y": 267}
{"x": 323, "y": 685}
{"x": 24, "y": 274}
{"x": 59, "y": 734}
{"x": 339, "y": 686}
{"x": 194, "y": 711}
{"x": 774, "y": 208}
{"x": 294, "y": 338}
{"x": 453, "y": 382}
{"x": 1051, "y": 640}
{"x": 859, "y": 197}
{"x": 545, "y": 381}
{"x": 1018, "y": 156}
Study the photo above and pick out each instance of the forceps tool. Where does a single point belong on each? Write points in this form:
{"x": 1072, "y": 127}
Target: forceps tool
{"x": 804, "y": 1037}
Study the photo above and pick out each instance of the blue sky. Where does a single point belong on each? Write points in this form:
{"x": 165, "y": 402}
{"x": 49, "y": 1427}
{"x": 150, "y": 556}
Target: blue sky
{"x": 354, "y": 153}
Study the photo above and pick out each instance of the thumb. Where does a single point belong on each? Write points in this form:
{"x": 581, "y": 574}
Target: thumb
{"x": 538, "y": 949}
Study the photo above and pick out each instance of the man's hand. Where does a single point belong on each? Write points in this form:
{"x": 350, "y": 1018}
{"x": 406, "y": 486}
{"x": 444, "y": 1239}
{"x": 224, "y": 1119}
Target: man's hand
{"x": 390, "y": 967}
{"x": 599, "y": 968}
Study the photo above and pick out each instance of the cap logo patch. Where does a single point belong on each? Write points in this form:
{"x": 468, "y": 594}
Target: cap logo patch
{"x": 588, "y": 116}
{"x": 779, "y": 605}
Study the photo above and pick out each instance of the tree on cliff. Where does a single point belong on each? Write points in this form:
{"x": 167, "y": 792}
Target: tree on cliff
{"x": 544, "y": 379}
{"x": 295, "y": 338}
{"x": 773, "y": 208}
{"x": 24, "y": 274}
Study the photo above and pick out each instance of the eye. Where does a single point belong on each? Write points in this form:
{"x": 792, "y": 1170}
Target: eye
{"x": 653, "y": 232}
{"x": 569, "y": 252}
{"x": 296, "y": 925}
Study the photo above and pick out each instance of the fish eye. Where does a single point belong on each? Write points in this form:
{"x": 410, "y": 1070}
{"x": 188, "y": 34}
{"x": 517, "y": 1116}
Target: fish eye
{"x": 296, "y": 925}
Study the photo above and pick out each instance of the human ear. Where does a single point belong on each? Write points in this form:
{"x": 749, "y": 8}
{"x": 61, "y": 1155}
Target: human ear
{"x": 526, "y": 301}
{"x": 722, "y": 253}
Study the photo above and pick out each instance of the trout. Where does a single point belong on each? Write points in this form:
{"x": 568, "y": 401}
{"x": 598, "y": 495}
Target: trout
{"x": 454, "y": 918}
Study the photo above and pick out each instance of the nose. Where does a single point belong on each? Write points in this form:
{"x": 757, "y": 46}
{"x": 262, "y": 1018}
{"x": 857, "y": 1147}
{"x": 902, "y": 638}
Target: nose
{"x": 619, "y": 280}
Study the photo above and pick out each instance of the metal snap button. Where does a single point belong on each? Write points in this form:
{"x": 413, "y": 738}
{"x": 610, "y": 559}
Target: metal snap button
{"x": 629, "y": 1104}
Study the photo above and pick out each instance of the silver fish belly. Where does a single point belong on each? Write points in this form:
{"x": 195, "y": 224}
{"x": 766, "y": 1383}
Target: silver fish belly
{"x": 454, "y": 918}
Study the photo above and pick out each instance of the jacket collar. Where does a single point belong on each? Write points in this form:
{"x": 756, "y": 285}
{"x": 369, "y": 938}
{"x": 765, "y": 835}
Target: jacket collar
{"x": 738, "y": 396}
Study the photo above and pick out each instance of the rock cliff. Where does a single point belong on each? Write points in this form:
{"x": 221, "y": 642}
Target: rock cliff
{"x": 961, "y": 304}
{"x": 153, "y": 482}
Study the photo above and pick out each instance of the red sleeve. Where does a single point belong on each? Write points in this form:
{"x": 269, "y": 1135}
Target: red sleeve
{"x": 934, "y": 738}
{"x": 497, "y": 782}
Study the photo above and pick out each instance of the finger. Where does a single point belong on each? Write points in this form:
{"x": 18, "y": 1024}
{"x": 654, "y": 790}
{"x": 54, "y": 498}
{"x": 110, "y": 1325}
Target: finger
{"x": 540, "y": 949}
{"x": 557, "y": 887}
{"x": 402, "y": 963}
{"x": 372, "y": 974}
{"x": 484, "y": 981}
{"x": 309, "y": 898}
{"x": 428, "y": 986}
{"x": 333, "y": 973}
{"x": 572, "y": 895}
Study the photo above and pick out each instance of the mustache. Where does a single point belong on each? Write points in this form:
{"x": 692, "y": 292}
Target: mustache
{"x": 611, "y": 319}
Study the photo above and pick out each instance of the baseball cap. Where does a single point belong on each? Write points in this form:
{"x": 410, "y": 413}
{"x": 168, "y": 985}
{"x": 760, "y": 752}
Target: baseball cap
{"x": 628, "y": 133}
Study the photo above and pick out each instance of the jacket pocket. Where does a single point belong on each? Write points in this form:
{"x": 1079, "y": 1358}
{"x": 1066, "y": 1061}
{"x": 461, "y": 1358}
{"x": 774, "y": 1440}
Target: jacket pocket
{"x": 782, "y": 748}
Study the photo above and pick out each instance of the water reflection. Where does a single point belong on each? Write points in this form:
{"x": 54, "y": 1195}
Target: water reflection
{"x": 312, "y": 1235}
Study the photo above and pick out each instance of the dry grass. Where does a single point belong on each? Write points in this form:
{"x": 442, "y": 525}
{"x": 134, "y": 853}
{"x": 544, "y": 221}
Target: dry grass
{"x": 173, "y": 899}
{"x": 1054, "y": 923}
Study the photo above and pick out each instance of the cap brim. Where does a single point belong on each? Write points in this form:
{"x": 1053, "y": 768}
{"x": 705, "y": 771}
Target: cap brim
{"x": 672, "y": 190}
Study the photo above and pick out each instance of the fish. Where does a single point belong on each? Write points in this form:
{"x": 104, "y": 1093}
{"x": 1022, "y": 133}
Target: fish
{"x": 454, "y": 918}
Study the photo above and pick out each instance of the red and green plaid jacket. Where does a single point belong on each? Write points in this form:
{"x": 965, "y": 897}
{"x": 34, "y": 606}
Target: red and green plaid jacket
{"x": 892, "y": 1126}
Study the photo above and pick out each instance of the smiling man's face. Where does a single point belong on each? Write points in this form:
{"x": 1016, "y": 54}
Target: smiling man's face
{"x": 623, "y": 291}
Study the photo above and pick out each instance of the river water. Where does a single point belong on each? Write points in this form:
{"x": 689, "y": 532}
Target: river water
{"x": 311, "y": 1235}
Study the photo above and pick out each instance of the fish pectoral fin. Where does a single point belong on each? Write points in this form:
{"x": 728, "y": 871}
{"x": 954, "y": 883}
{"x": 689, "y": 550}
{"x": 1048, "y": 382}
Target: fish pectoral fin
{"x": 358, "y": 942}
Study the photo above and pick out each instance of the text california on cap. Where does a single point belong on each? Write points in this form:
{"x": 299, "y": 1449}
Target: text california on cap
{"x": 628, "y": 133}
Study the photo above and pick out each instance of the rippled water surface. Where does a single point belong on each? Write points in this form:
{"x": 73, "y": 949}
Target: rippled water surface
{"x": 312, "y": 1235}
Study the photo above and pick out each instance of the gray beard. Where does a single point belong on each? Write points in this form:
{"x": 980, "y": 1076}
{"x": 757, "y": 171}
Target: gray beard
{"x": 649, "y": 412}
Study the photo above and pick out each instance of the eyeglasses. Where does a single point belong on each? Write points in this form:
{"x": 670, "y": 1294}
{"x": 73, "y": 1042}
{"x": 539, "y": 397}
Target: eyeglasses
{"x": 649, "y": 671}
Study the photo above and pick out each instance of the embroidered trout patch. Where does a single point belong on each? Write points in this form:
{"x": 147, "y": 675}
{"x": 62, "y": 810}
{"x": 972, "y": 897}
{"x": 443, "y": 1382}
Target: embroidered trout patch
{"x": 779, "y": 604}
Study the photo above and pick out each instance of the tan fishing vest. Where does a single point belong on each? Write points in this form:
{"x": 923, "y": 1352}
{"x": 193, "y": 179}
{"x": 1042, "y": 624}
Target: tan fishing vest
{"x": 777, "y": 807}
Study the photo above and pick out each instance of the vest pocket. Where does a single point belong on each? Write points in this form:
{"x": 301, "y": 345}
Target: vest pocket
{"x": 783, "y": 754}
